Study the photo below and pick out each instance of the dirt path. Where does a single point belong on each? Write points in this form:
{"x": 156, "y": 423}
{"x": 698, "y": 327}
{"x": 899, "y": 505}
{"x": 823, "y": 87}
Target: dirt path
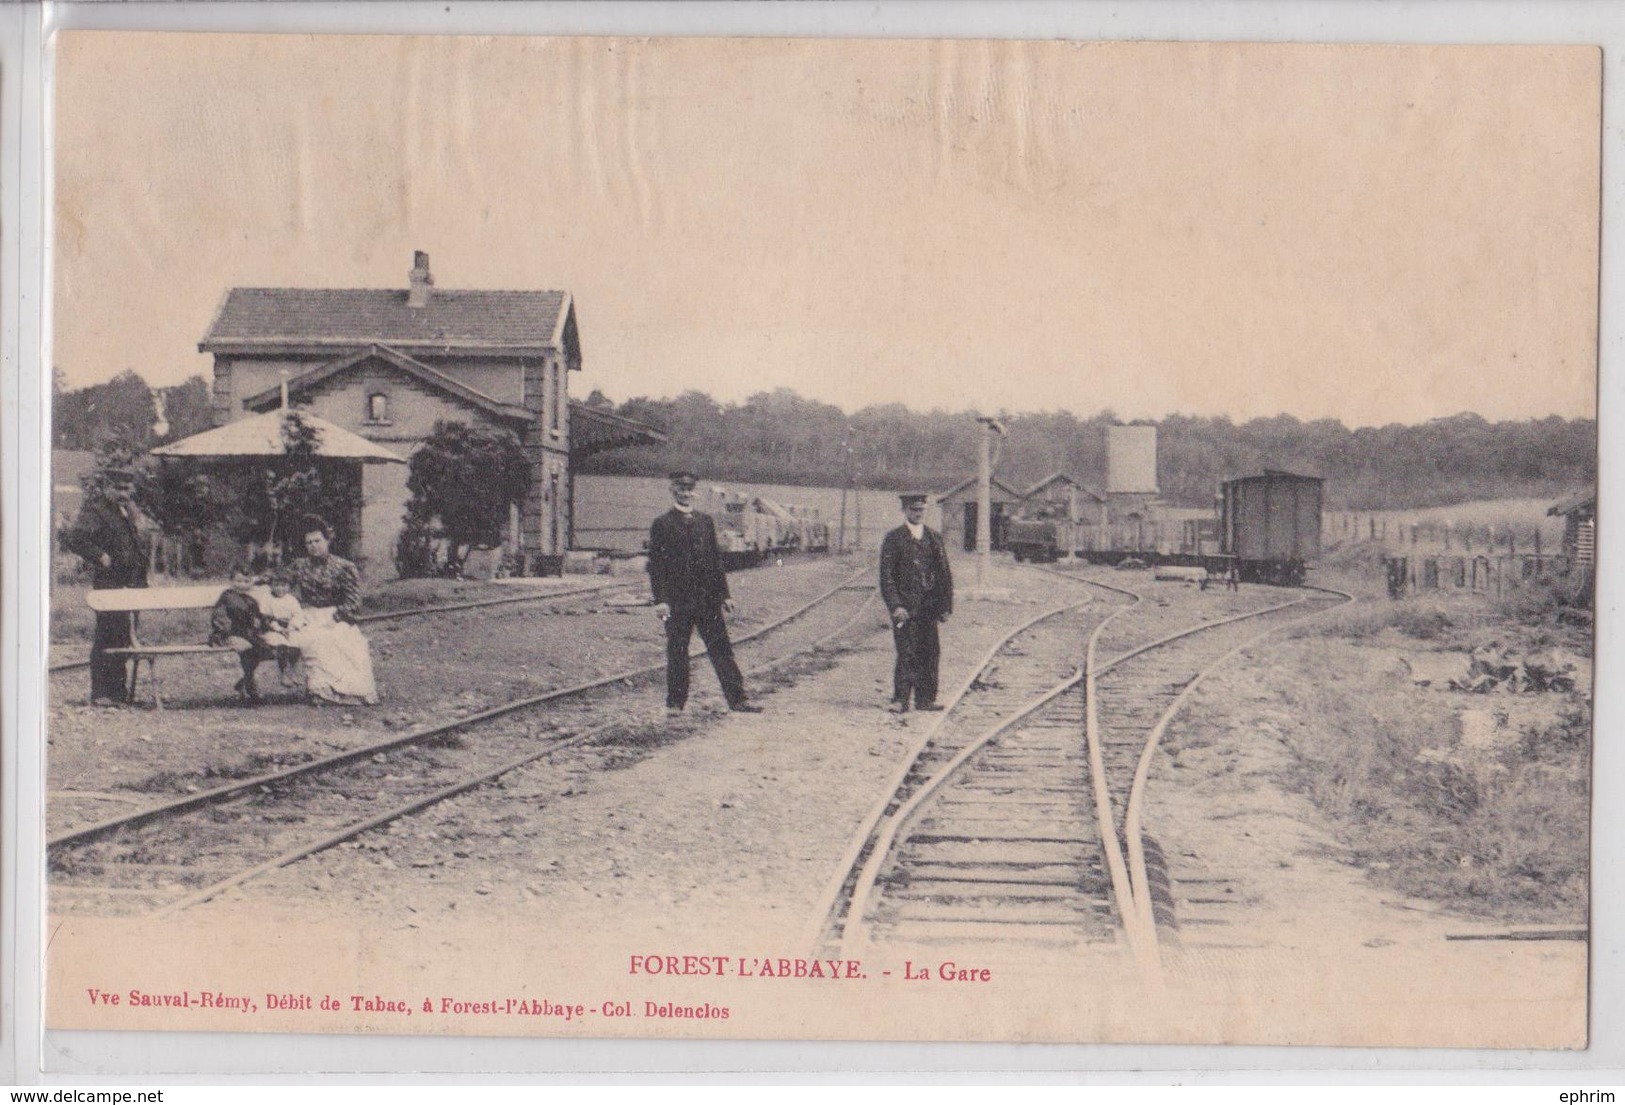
{"x": 1276, "y": 912}
{"x": 430, "y": 668}
{"x": 721, "y": 837}
{"x": 738, "y": 816}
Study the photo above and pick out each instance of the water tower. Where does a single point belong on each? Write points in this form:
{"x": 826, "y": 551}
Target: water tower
{"x": 1131, "y": 471}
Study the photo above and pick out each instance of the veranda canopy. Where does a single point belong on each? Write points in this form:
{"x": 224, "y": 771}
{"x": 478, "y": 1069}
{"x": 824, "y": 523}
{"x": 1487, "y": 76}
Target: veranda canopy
{"x": 261, "y": 436}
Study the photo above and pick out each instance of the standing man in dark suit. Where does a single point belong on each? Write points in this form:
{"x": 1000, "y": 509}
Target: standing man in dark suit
{"x": 918, "y": 589}
{"x": 108, "y": 536}
{"x": 691, "y": 592}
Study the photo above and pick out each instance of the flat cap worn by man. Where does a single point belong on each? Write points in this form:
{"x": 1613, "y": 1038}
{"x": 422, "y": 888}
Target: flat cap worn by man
{"x": 918, "y": 590}
{"x": 691, "y": 593}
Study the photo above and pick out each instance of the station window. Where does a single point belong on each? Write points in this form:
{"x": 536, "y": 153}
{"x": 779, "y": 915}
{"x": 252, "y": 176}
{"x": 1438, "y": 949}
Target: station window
{"x": 377, "y": 407}
{"x": 558, "y": 396}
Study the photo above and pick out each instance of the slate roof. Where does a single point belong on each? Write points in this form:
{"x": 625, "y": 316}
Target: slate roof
{"x": 1275, "y": 474}
{"x": 596, "y": 431}
{"x": 1061, "y": 477}
{"x": 351, "y": 316}
{"x": 995, "y": 485}
{"x": 1583, "y": 500}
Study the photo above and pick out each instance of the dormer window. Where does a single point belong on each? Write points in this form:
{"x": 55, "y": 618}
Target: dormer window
{"x": 378, "y": 407}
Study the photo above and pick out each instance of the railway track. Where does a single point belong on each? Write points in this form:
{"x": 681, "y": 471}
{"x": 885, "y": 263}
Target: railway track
{"x": 177, "y": 854}
{"x": 1020, "y": 679}
{"x": 1020, "y": 819}
{"x": 1129, "y": 702}
{"x": 575, "y": 593}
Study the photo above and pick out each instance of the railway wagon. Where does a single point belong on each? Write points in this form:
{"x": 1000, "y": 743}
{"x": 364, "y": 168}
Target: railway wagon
{"x": 1035, "y": 539}
{"x": 1270, "y": 525}
{"x": 753, "y": 529}
{"x": 1152, "y": 541}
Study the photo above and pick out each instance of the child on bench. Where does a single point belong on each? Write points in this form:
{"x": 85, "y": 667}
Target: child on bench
{"x": 283, "y": 617}
{"x": 238, "y": 622}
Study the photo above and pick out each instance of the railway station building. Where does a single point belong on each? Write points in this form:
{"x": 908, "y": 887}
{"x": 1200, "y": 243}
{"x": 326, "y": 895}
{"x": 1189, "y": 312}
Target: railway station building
{"x": 387, "y": 364}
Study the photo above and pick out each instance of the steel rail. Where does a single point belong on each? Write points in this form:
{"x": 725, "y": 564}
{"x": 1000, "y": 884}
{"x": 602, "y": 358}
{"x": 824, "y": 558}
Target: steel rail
{"x": 1133, "y": 906}
{"x": 1133, "y": 829}
{"x": 880, "y": 835}
{"x": 1116, "y": 868}
{"x": 462, "y": 786}
{"x": 851, "y": 945}
{"x": 1124, "y": 853}
{"x": 830, "y": 916}
{"x": 418, "y": 736}
{"x": 1129, "y": 882}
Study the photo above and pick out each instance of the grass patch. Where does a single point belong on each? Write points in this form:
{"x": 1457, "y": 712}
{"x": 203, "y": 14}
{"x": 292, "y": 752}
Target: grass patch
{"x": 1418, "y": 618}
{"x": 1540, "y": 614}
{"x": 1502, "y": 831}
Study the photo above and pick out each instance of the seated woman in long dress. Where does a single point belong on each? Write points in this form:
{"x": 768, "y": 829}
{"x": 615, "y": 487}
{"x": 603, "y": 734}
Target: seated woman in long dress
{"x": 338, "y": 659}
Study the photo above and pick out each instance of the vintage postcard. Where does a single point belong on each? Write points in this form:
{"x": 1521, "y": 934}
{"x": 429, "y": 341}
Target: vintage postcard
{"x": 817, "y": 539}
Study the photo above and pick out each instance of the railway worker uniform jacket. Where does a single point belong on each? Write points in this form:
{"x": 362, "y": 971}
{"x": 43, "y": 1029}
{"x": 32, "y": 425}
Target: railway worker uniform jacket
{"x": 685, "y": 573}
{"x": 104, "y": 528}
{"x": 914, "y": 575}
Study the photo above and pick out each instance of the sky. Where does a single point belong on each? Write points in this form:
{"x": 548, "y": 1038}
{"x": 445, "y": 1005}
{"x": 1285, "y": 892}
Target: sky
{"x": 1366, "y": 233}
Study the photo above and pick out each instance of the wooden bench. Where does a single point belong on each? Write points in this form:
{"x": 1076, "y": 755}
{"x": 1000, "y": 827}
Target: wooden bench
{"x": 137, "y": 600}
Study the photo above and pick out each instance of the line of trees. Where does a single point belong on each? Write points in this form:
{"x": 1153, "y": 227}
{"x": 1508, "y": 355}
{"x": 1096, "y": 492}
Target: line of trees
{"x": 781, "y": 437}
{"x": 126, "y": 413}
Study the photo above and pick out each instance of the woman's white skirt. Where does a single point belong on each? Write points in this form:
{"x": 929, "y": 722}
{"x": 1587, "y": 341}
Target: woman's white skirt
{"x": 337, "y": 659}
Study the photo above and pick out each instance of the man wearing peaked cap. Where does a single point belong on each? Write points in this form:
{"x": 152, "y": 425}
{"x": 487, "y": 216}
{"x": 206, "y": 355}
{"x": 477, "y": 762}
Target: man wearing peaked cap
{"x": 691, "y": 593}
{"x": 110, "y": 535}
{"x": 918, "y": 590}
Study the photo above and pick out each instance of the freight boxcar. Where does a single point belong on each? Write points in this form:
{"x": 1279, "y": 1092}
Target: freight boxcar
{"x": 1270, "y": 525}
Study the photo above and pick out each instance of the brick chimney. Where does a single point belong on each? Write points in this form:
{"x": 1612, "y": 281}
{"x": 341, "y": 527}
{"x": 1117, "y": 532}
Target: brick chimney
{"x": 422, "y": 281}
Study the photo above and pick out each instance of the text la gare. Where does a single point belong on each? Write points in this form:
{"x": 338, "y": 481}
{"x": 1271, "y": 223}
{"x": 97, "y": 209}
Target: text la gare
{"x": 946, "y": 971}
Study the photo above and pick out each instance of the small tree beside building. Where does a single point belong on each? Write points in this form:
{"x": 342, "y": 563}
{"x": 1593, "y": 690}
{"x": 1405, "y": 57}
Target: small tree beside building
{"x": 465, "y": 483}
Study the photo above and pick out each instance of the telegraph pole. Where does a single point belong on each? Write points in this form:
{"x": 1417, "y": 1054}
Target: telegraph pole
{"x": 857, "y": 516}
{"x": 846, "y": 482}
{"x": 984, "y": 499}
{"x": 1072, "y": 524}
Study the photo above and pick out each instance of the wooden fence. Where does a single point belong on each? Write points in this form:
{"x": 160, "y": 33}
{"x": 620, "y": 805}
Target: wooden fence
{"x": 168, "y": 558}
{"x": 1432, "y": 537}
{"x": 1489, "y": 575}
